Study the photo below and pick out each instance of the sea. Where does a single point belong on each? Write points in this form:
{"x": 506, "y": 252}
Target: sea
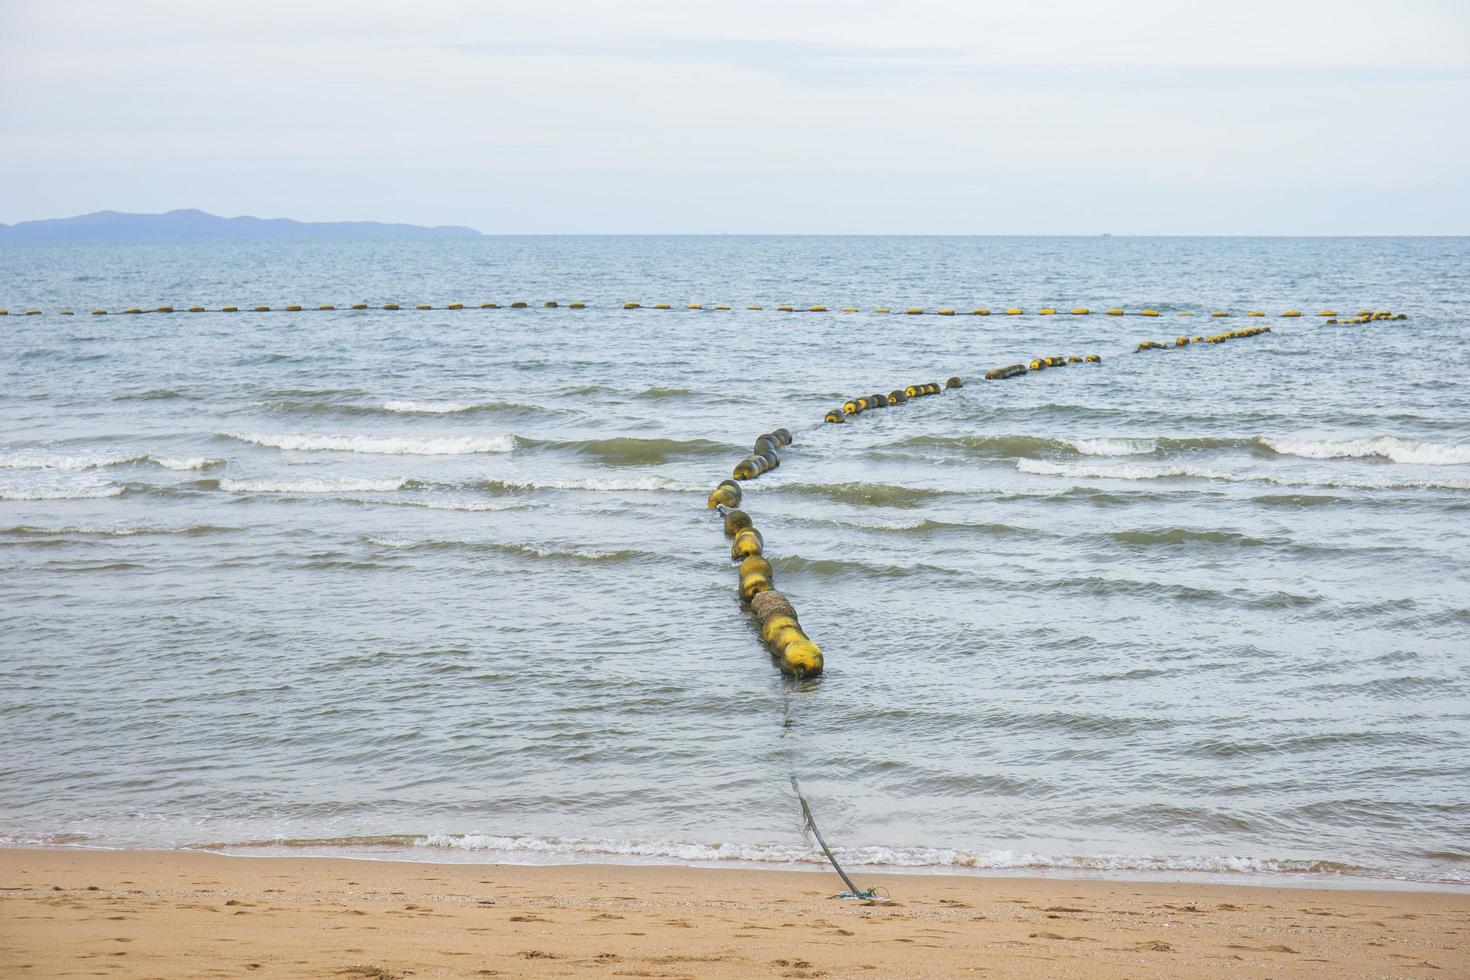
{"x": 441, "y": 584}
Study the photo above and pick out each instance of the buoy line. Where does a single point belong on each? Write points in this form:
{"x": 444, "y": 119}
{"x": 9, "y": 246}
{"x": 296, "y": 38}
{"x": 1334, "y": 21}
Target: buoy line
{"x": 1331, "y": 316}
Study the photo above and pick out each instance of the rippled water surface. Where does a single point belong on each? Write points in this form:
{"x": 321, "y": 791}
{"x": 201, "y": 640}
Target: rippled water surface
{"x": 443, "y": 583}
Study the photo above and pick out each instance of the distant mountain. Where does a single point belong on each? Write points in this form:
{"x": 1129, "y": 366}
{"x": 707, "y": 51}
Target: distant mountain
{"x": 190, "y": 223}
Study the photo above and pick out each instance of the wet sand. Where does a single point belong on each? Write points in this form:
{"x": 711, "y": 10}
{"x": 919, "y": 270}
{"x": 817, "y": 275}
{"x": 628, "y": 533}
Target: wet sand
{"x": 171, "y": 914}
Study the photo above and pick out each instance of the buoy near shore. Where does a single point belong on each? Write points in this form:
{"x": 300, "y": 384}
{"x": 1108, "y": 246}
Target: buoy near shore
{"x": 747, "y": 542}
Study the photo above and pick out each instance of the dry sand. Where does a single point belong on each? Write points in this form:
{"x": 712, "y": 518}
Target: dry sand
{"x": 169, "y": 914}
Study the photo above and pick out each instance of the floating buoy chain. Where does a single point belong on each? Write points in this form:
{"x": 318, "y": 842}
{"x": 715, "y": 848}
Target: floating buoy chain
{"x": 1215, "y": 338}
{"x": 793, "y": 651}
{"x": 1363, "y": 316}
{"x": 859, "y": 404}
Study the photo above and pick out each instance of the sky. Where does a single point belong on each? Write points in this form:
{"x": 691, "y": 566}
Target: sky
{"x": 913, "y": 117}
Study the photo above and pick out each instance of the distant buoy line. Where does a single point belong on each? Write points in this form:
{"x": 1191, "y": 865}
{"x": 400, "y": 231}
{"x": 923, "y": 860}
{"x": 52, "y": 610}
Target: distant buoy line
{"x": 1332, "y": 316}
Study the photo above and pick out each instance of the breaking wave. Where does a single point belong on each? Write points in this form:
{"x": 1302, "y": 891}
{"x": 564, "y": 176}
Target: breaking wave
{"x": 1386, "y": 447}
{"x": 872, "y": 856}
{"x": 336, "y": 485}
{"x": 60, "y": 493}
{"x": 380, "y": 445}
{"x": 632, "y": 483}
{"x": 1164, "y": 472}
{"x": 29, "y": 460}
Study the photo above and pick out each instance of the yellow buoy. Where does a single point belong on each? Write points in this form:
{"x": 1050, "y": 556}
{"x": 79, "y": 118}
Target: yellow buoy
{"x": 132, "y": 309}
{"x": 849, "y": 309}
{"x": 816, "y": 309}
{"x": 882, "y": 309}
{"x": 1148, "y": 312}
{"x": 455, "y": 306}
{"x": 982, "y": 311}
{"x": 196, "y": 309}
{"x": 164, "y": 309}
{"x": 1183, "y": 314}
{"x": 519, "y": 304}
{"x": 294, "y": 308}
{"x": 785, "y": 309}
{"x": 94, "y": 312}
{"x": 802, "y": 658}
{"x": 359, "y": 306}
{"x": 229, "y": 309}
{"x": 1292, "y": 313}
{"x": 753, "y": 585}
{"x": 722, "y": 306}
{"x": 914, "y": 310}
{"x": 946, "y": 312}
{"x": 662, "y": 306}
{"x": 1255, "y": 313}
{"x": 1046, "y": 311}
{"x": 755, "y": 307}
{"x": 1327, "y": 313}
{"x": 694, "y": 306}
{"x": 1220, "y": 313}
{"x": 326, "y": 306}
{"x": 1115, "y": 312}
{"x": 1014, "y": 311}
{"x": 735, "y": 522}
{"x": 550, "y": 304}
{"x": 772, "y": 627}
{"x": 1081, "y": 311}
{"x": 630, "y": 305}
{"x": 33, "y": 312}
{"x": 748, "y": 542}
{"x": 390, "y": 306}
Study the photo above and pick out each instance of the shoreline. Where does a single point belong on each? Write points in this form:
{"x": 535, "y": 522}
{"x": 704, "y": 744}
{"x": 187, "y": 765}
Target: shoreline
{"x": 471, "y": 858}
{"x": 150, "y": 913}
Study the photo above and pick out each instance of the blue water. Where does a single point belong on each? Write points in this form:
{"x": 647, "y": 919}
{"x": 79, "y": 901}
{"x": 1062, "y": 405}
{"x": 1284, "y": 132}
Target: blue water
{"x": 442, "y": 583}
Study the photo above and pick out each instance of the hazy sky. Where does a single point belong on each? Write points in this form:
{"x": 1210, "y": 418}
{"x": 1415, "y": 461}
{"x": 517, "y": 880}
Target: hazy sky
{"x": 910, "y": 116}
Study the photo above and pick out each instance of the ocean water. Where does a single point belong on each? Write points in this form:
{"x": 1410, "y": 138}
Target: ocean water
{"x": 442, "y": 584}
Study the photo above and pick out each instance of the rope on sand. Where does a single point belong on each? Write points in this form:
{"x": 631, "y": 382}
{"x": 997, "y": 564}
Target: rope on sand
{"x": 853, "y": 891}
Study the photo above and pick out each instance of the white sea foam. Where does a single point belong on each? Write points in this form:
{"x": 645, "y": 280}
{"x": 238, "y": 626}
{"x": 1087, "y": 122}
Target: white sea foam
{"x": 192, "y": 463}
{"x": 381, "y": 445}
{"x": 633, "y": 483}
{"x": 30, "y": 460}
{"x": 319, "y": 485}
{"x": 1115, "y": 447}
{"x": 109, "y": 531}
{"x": 1388, "y": 447}
{"x": 54, "y": 492}
{"x": 1085, "y": 471}
{"x": 1124, "y": 471}
{"x": 429, "y": 408}
{"x": 473, "y": 506}
{"x": 573, "y": 848}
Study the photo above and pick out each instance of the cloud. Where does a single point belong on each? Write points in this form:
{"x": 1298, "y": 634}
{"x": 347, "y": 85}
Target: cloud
{"x": 255, "y": 101}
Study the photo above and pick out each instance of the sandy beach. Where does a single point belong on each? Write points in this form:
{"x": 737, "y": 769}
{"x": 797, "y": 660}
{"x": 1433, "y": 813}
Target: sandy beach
{"x": 171, "y": 914}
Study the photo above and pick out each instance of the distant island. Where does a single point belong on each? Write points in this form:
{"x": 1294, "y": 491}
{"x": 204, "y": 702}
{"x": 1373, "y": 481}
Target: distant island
{"x": 191, "y": 223}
